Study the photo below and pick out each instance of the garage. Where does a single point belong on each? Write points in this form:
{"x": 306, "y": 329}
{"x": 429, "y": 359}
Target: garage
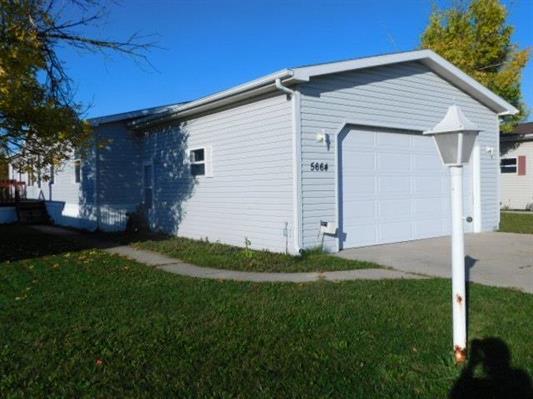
{"x": 322, "y": 157}
{"x": 393, "y": 187}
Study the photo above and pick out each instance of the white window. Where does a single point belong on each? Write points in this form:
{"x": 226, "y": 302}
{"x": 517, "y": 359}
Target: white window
{"x": 77, "y": 171}
{"x": 508, "y": 165}
{"x": 197, "y": 158}
{"x": 201, "y": 161}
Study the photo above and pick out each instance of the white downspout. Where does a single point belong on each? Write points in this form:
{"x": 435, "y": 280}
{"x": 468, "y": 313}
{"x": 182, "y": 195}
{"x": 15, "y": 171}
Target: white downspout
{"x": 284, "y": 89}
{"x": 295, "y": 100}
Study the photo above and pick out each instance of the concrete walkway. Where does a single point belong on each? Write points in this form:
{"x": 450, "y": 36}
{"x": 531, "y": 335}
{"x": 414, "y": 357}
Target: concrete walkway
{"x": 496, "y": 259}
{"x": 173, "y": 265}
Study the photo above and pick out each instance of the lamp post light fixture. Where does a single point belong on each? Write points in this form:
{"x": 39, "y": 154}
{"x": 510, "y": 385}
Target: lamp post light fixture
{"x": 455, "y": 136}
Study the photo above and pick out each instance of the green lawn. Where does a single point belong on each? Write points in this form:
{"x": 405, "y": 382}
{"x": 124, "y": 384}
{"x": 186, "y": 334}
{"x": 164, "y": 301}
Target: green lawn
{"x": 88, "y": 324}
{"x": 516, "y": 223}
{"x": 222, "y": 256}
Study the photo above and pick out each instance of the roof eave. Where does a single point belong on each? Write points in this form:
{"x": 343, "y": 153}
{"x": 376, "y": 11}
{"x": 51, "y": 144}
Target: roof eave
{"x": 238, "y": 93}
{"x": 129, "y": 115}
{"x": 291, "y": 76}
{"x": 453, "y": 74}
{"x": 516, "y": 137}
{"x": 429, "y": 58}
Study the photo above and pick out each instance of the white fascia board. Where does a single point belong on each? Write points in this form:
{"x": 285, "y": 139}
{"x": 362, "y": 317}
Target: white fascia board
{"x": 203, "y": 104}
{"x": 102, "y": 120}
{"x": 305, "y": 73}
{"x": 204, "y": 107}
{"x": 237, "y": 89}
{"x": 296, "y": 75}
{"x": 471, "y": 86}
{"x": 429, "y": 58}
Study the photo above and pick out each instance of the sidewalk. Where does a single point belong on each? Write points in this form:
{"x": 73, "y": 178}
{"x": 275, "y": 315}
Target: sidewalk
{"x": 173, "y": 265}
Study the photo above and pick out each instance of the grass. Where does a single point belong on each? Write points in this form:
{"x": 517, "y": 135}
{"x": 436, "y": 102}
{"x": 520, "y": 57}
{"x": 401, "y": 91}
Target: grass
{"x": 88, "y": 324}
{"x": 223, "y": 256}
{"x": 516, "y": 223}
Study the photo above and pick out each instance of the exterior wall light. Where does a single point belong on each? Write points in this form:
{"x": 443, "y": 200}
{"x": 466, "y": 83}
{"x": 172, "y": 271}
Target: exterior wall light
{"x": 321, "y": 137}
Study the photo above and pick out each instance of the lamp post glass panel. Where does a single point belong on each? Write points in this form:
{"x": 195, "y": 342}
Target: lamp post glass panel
{"x": 455, "y": 136}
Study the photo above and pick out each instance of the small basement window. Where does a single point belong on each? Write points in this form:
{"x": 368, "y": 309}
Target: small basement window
{"x": 197, "y": 159}
{"x": 508, "y": 165}
{"x": 77, "y": 171}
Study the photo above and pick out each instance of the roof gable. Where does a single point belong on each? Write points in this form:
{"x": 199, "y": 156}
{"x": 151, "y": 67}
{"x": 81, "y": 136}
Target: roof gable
{"x": 296, "y": 75}
{"x": 429, "y": 58}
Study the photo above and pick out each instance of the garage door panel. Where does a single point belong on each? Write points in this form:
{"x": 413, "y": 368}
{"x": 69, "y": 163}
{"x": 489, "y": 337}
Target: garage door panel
{"x": 360, "y": 161}
{"x": 422, "y": 144}
{"x": 427, "y": 163}
{"x": 428, "y": 185}
{"x": 429, "y": 228}
{"x": 394, "y": 188}
{"x": 388, "y": 162}
{"x": 394, "y": 141}
{"x": 363, "y": 186}
{"x": 362, "y": 235}
{"x": 394, "y": 232}
{"x": 424, "y": 207}
{"x": 392, "y": 209}
{"x": 363, "y": 139}
{"x": 394, "y": 184}
{"x": 357, "y": 210}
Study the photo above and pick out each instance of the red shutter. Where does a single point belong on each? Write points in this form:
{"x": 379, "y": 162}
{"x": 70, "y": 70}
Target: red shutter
{"x": 521, "y": 165}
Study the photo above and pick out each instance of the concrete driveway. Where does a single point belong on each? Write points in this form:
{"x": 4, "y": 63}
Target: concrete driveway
{"x": 497, "y": 259}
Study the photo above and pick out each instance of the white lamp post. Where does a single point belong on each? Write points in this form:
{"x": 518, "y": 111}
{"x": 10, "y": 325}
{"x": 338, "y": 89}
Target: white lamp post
{"x": 455, "y": 136}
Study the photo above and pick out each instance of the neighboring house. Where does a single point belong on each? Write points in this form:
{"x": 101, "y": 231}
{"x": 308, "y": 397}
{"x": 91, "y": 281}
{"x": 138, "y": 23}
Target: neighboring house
{"x": 329, "y": 154}
{"x": 516, "y": 168}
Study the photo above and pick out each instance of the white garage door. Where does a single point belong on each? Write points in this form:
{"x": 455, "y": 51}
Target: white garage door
{"x": 393, "y": 187}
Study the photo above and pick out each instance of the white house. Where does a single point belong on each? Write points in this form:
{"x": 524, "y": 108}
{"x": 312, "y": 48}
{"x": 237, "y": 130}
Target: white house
{"x": 329, "y": 154}
{"x": 516, "y": 168}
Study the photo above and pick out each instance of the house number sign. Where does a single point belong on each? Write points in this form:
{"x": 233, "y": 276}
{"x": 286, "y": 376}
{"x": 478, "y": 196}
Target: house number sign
{"x": 319, "y": 166}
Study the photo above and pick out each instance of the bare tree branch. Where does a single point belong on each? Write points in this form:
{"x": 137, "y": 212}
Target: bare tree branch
{"x": 39, "y": 117}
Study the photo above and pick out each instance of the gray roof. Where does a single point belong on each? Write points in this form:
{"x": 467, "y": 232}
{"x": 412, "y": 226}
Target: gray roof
{"x": 522, "y": 132}
{"x": 290, "y": 76}
{"x": 303, "y": 74}
{"x": 124, "y": 116}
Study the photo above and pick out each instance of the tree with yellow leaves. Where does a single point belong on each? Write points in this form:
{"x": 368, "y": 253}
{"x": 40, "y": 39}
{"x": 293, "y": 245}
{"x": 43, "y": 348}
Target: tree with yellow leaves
{"x": 40, "y": 122}
{"x": 477, "y": 39}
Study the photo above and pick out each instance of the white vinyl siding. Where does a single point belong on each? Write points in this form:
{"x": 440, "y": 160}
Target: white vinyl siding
{"x": 516, "y": 190}
{"x": 120, "y": 182}
{"x": 250, "y": 193}
{"x": 61, "y": 188}
{"x": 408, "y": 95}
